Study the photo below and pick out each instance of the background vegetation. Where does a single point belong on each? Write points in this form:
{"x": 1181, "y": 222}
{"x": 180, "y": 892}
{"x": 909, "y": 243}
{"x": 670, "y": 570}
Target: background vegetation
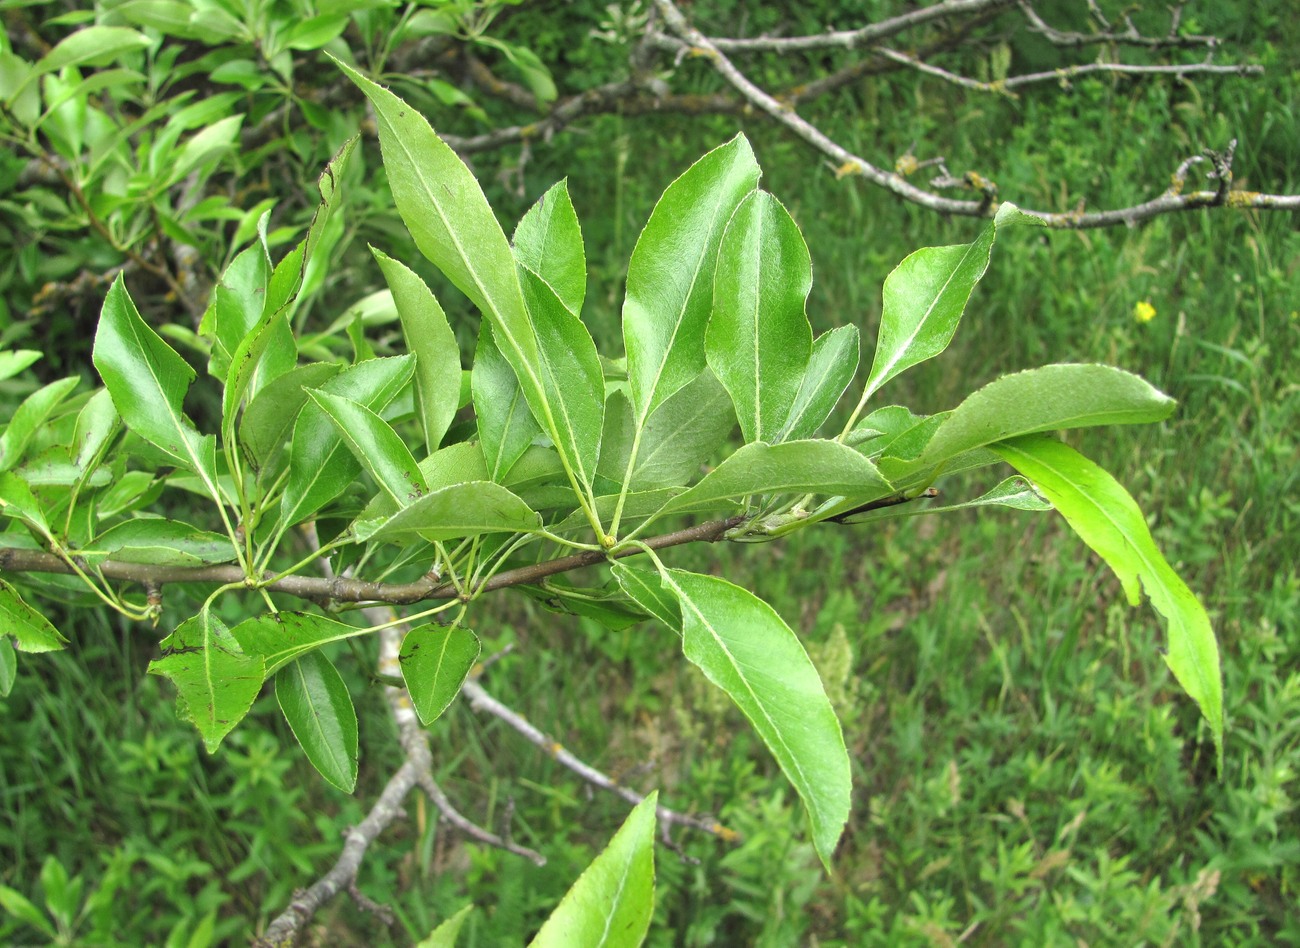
{"x": 1025, "y": 770}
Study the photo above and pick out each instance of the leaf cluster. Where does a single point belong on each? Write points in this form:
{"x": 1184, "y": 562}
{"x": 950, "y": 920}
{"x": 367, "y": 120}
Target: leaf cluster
{"x": 411, "y": 465}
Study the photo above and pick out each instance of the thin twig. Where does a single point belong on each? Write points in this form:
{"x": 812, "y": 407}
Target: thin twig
{"x": 307, "y": 902}
{"x": 847, "y": 163}
{"x": 1129, "y": 37}
{"x": 480, "y": 700}
{"x": 863, "y": 36}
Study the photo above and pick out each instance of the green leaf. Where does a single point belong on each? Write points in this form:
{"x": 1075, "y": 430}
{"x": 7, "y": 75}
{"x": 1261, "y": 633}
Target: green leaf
{"x": 444, "y": 208}
{"x": 748, "y": 651}
{"x": 548, "y": 243}
{"x": 505, "y": 425}
{"x": 646, "y": 588}
{"x": 924, "y": 299}
{"x": 8, "y": 666}
{"x": 316, "y": 703}
{"x": 17, "y": 500}
{"x": 462, "y": 510}
{"x": 61, "y": 899}
{"x": 247, "y": 363}
{"x": 237, "y": 303}
{"x": 205, "y": 144}
{"x": 215, "y": 680}
{"x": 160, "y": 543}
{"x": 376, "y": 445}
{"x": 1106, "y": 518}
{"x": 22, "y": 908}
{"x": 670, "y": 276}
{"x": 571, "y": 373}
{"x": 1046, "y": 399}
{"x": 30, "y": 630}
{"x": 613, "y": 900}
{"x": 435, "y": 662}
{"x": 444, "y": 936}
{"x": 92, "y": 46}
{"x": 680, "y": 435}
{"x": 267, "y": 420}
{"x": 148, "y": 382}
{"x": 29, "y": 417}
{"x": 281, "y": 637}
{"x": 816, "y": 467}
{"x": 320, "y": 467}
{"x": 171, "y": 17}
{"x": 14, "y": 361}
{"x": 830, "y": 370}
{"x": 429, "y": 336}
{"x": 759, "y": 340}
{"x": 97, "y": 424}
{"x": 607, "y": 605}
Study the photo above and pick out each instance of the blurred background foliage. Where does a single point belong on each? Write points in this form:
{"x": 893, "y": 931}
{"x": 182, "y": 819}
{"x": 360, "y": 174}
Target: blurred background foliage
{"x": 1026, "y": 772}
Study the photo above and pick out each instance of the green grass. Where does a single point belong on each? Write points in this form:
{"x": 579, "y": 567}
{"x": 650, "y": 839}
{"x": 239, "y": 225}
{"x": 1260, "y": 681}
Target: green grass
{"x": 1026, "y": 770}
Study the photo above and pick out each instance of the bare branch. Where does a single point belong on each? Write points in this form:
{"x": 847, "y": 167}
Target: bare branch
{"x": 847, "y": 163}
{"x": 480, "y": 700}
{"x": 343, "y": 874}
{"x": 854, "y": 39}
{"x": 625, "y": 97}
{"x": 1065, "y": 73}
{"x": 1130, "y": 36}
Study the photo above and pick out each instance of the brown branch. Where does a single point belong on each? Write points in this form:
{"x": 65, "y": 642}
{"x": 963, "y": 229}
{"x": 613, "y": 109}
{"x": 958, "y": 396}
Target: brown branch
{"x": 847, "y": 163}
{"x": 345, "y": 589}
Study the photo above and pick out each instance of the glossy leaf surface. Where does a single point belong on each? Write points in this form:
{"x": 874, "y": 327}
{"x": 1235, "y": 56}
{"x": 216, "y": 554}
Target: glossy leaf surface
{"x": 678, "y": 438}
{"x": 30, "y": 630}
{"x": 548, "y": 242}
{"x": 462, "y": 510}
{"x": 506, "y": 426}
{"x": 270, "y": 416}
{"x": 429, "y": 336}
{"x": 160, "y": 542}
{"x": 748, "y": 651}
{"x": 611, "y": 904}
{"x": 281, "y": 637}
{"x": 316, "y": 703}
{"x": 759, "y": 340}
{"x": 376, "y": 445}
{"x": 148, "y": 382}
{"x": 816, "y": 467}
{"x": 670, "y": 275}
{"x": 443, "y": 207}
{"x": 28, "y": 418}
{"x": 320, "y": 465}
{"x": 571, "y": 374}
{"x": 831, "y": 367}
{"x": 1106, "y": 518}
{"x": 1046, "y": 399}
{"x": 216, "y": 681}
{"x": 435, "y": 661}
{"x": 925, "y": 297}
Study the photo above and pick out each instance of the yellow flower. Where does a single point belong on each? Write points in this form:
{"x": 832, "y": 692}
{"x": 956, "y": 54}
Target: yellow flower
{"x": 1144, "y": 312}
